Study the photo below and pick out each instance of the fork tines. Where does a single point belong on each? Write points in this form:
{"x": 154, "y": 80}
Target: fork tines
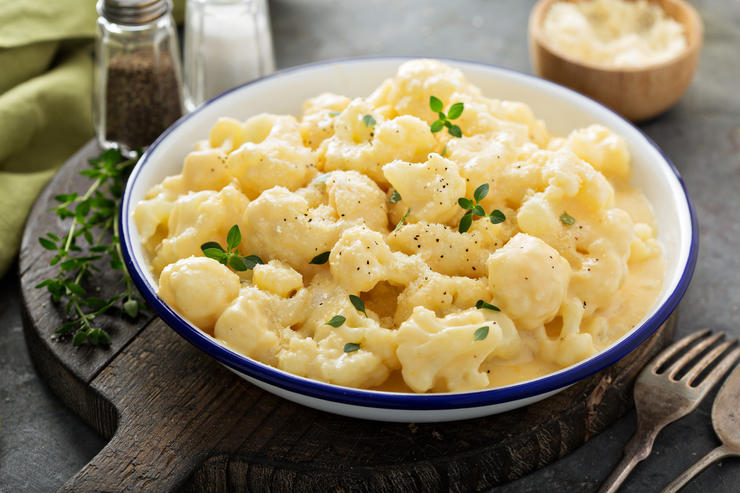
{"x": 683, "y": 364}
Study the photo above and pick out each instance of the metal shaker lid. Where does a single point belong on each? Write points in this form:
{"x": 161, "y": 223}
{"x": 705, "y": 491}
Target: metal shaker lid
{"x": 132, "y": 12}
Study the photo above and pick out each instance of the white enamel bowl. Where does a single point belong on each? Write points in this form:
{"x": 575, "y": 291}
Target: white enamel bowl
{"x": 562, "y": 110}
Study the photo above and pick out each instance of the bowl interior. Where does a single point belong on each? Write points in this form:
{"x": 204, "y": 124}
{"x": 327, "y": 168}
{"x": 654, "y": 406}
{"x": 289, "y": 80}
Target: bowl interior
{"x": 561, "y": 109}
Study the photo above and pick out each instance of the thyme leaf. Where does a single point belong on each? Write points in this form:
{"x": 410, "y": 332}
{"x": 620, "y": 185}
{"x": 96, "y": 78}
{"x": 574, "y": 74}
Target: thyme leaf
{"x": 480, "y": 304}
{"x": 321, "y": 258}
{"x": 336, "y": 321}
{"x": 358, "y": 303}
{"x": 480, "y": 333}
{"x": 567, "y": 219}
{"x": 351, "y": 347}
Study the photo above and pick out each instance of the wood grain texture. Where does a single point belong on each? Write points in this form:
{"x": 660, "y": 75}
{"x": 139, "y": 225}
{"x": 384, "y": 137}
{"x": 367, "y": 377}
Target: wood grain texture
{"x": 636, "y": 93}
{"x": 179, "y": 420}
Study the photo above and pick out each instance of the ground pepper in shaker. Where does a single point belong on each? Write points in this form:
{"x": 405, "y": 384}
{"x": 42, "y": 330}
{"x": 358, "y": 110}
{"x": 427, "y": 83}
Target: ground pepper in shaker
{"x": 137, "y": 90}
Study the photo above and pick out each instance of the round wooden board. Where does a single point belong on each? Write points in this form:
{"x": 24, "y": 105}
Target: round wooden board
{"x": 177, "y": 419}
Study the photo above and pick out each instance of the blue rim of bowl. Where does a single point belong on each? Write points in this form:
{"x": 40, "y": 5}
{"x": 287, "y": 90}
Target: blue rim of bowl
{"x": 392, "y": 400}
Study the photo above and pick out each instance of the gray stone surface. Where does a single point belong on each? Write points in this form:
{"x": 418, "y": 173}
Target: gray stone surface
{"x": 42, "y": 443}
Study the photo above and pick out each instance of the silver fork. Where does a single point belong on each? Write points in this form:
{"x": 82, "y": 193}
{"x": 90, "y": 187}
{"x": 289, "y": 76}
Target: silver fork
{"x": 726, "y": 422}
{"x": 661, "y": 399}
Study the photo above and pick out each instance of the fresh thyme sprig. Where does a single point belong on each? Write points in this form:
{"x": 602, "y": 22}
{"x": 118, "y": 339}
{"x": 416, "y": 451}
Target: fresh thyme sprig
{"x": 443, "y": 121}
{"x": 94, "y": 219}
{"x": 475, "y": 209}
{"x": 230, "y": 255}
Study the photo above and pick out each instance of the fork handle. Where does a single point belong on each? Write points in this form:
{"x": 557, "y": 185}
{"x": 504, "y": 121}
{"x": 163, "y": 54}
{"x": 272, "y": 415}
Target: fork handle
{"x": 636, "y": 450}
{"x": 716, "y": 454}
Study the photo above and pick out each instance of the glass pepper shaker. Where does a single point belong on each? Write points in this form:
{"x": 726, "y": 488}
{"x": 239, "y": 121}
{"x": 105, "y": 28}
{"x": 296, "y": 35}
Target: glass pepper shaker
{"x": 227, "y": 43}
{"x": 137, "y": 83}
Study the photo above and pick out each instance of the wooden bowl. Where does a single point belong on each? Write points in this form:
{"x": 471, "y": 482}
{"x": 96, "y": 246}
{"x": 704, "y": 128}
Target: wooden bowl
{"x": 637, "y": 93}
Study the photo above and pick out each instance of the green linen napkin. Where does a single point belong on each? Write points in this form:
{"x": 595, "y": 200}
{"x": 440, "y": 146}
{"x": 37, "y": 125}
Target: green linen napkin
{"x": 45, "y": 100}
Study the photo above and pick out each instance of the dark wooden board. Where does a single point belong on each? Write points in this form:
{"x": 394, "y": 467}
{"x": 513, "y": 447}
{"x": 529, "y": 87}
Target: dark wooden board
{"x": 177, "y": 419}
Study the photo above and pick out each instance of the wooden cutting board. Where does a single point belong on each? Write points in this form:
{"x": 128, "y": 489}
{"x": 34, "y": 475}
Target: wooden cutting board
{"x": 176, "y": 419}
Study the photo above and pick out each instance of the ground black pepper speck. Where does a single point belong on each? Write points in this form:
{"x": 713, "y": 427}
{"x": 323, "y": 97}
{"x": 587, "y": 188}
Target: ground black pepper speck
{"x": 142, "y": 97}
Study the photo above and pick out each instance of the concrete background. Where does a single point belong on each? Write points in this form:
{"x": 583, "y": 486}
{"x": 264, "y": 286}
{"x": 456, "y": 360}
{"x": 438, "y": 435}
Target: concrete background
{"x": 42, "y": 443}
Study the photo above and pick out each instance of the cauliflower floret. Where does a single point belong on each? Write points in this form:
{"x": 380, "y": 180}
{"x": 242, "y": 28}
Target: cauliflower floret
{"x": 539, "y": 217}
{"x": 202, "y": 170}
{"x": 477, "y": 119}
{"x": 449, "y": 252}
{"x": 328, "y": 362}
{"x": 490, "y": 159}
{"x": 317, "y": 123}
{"x": 277, "y": 277}
{"x": 600, "y": 275}
{"x": 196, "y": 218}
{"x": 183, "y": 283}
{"x": 572, "y": 186}
{"x": 644, "y": 245}
{"x": 315, "y": 192}
{"x": 152, "y": 213}
{"x": 279, "y": 218}
{"x": 279, "y": 158}
{"x": 445, "y": 354}
{"x": 227, "y": 134}
{"x": 361, "y": 259}
{"x": 521, "y": 113}
{"x": 529, "y": 280}
{"x": 601, "y": 148}
{"x": 440, "y": 293}
{"x": 205, "y": 170}
{"x": 429, "y": 189}
{"x": 567, "y": 176}
{"x": 352, "y": 126}
{"x": 355, "y": 196}
{"x": 409, "y": 91}
{"x": 318, "y": 350}
{"x": 567, "y": 349}
{"x": 252, "y": 324}
{"x": 325, "y": 101}
{"x": 327, "y": 299}
{"x": 593, "y": 236}
{"x": 405, "y": 137}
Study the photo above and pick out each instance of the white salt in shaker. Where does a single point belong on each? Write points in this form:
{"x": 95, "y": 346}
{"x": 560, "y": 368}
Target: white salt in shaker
{"x": 227, "y": 43}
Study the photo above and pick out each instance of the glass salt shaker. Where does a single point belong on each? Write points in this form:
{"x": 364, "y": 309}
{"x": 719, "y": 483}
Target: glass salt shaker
{"x": 137, "y": 82}
{"x": 227, "y": 43}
